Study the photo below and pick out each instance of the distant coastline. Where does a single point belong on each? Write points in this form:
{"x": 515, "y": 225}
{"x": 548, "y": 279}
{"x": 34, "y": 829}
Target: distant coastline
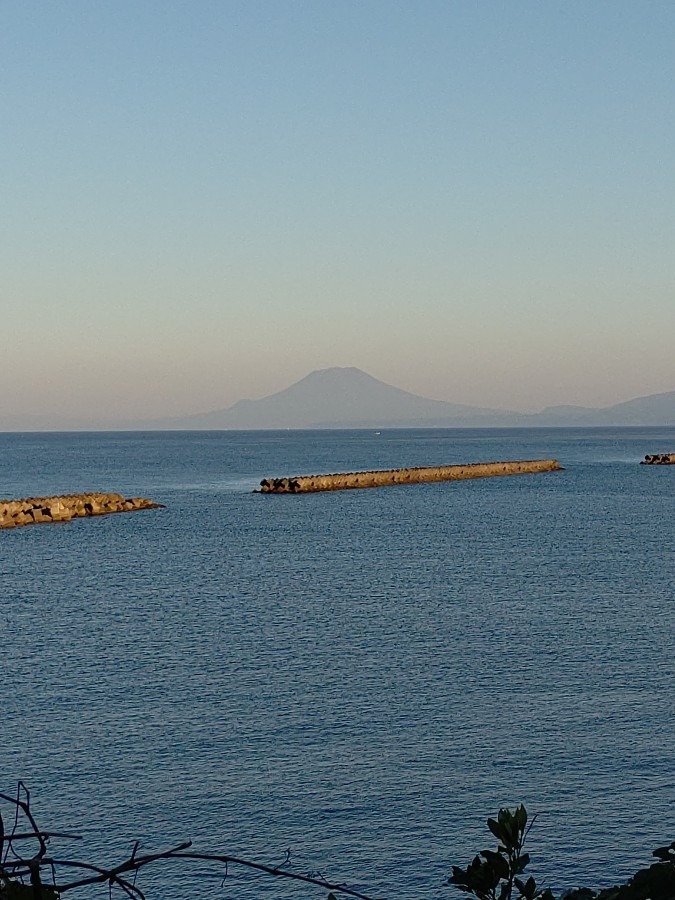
{"x": 348, "y": 398}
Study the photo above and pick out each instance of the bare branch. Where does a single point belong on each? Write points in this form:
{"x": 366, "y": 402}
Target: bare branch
{"x": 23, "y": 836}
{"x": 134, "y": 863}
{"x": 30, "y": 867}
{"x": 269, "y": 870}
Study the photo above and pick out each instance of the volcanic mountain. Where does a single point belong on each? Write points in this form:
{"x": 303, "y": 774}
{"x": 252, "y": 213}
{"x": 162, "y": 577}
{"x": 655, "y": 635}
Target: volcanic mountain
{"x": 343, "y": 398}
{"x": 350, "y": 398}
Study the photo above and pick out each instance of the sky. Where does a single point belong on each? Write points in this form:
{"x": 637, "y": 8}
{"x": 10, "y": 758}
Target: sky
{"x": 204, "y": 201}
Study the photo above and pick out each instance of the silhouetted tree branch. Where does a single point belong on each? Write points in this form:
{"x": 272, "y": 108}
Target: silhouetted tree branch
{"x": 491, "y": 875}
{"x": 41, "y": 876}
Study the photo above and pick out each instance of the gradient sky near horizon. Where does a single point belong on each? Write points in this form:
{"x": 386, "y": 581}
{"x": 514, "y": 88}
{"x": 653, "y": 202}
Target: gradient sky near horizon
{"x": 204, "y": 201}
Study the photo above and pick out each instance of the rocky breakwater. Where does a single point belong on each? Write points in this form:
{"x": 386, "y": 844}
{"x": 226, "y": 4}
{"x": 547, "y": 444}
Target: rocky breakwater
{"x": 32, "y": 510}
{"x": 302, "y": 484}
{"x": 659, "y": 459}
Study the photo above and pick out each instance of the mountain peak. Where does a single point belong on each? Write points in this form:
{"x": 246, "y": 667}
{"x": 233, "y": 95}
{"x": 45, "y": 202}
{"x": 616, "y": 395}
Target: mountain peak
{"x": 342, "y": 397}
{"x": 348, "y": 397}
{"x": 337, "y": 373}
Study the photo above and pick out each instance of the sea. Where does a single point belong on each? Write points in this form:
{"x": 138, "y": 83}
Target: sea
{"x": 346, "y": 684}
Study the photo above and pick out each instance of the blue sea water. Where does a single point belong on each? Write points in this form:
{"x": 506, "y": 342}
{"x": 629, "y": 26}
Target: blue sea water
{"x": 359, "y": 678}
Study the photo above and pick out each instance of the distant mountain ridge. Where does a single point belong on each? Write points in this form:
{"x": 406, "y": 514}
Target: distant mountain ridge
{"x": 655, "y": 409}
{"x": 342, "y": 398}
{"x": 350, "y": 398}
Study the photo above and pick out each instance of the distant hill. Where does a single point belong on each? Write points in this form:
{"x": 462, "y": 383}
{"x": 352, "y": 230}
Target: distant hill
{"x": 655, "y": 409}
{"x": 342, "y": 398}
{"x": 350, "y": 398}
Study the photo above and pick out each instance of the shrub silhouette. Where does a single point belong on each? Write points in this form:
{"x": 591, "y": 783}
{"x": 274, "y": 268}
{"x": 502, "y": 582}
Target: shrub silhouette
{"x": 498, "y": 874}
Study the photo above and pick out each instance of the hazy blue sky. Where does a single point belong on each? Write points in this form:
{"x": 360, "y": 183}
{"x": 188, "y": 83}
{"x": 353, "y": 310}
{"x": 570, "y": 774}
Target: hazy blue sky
{"x": 203, "y": 201}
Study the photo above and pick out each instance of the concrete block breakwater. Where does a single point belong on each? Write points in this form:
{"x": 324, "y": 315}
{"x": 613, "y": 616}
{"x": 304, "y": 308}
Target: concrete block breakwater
{"x": 659, "y": 459}
{"x": 63, "y": 508}
{"x": 302, "y": 484}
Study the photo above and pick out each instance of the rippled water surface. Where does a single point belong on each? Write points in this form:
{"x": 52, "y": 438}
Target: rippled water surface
{"x": 358, "y": 677}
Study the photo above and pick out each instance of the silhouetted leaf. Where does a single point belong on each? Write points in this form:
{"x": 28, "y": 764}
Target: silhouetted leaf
{"x": 521, "y": 863}
{"x": 521, "y": 817}
{"x": 498, "y": 863}
{"x": 497, "y": 828}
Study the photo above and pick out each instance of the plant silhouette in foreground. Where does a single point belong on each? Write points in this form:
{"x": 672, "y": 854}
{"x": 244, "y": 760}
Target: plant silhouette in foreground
{"x": 35, "y": 874}
{"x": 493, "y": 874}
{"x": 496, "y": 874}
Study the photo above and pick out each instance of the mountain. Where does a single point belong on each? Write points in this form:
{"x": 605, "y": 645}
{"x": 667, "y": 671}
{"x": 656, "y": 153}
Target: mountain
{"x": 350, "y": 398}
{"x": 655, "y": 409}
{"x": 342, "y": 398}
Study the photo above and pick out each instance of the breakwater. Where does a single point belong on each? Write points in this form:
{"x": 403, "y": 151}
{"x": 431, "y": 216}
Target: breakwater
{"x": 32, "y": 510}
{"x": 302, "y": 484}
{"x": 659, "y": 459}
